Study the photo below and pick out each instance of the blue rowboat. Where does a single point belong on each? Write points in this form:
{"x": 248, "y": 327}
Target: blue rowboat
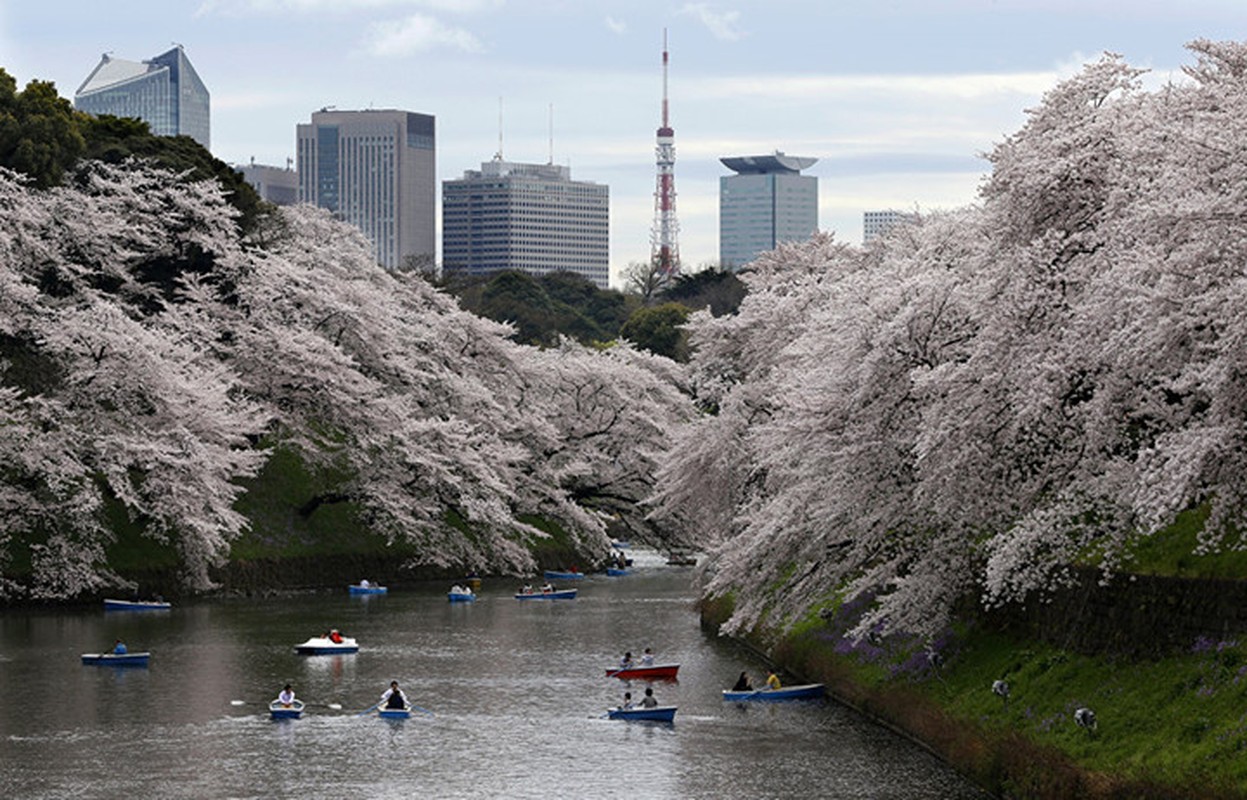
{"x": 117, "y": 659}
{"x": 394, "y": 713}
{"x": 616, "y": 572}
{"x": 135, "y": 605}
{"x": 557, "y": 575}
{"x": 655, "y": 714}
{"x": 464, "y": 596}
{"x": 280, "y": 710}
{"x": 357, "y": 589}
{"x": 557, "y": 594}
{"x": 322, "y": 646}
{"x": 806, "y": 691}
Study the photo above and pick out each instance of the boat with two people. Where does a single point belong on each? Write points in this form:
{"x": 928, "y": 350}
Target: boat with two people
{"x": 366, "y": 586}
{"x": 548, "y": 592}
{"x": 460, "y": 594}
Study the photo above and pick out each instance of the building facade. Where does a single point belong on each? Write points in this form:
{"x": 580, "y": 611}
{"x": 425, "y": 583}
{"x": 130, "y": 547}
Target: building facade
{"x": 377, "y": 170}
{"x": 165, "y": 92}
{"x": 277, "y": 185}
{"x": 528, "y": 217}
{"x": 766, "y": 203}
{"x": 875, "y": 223}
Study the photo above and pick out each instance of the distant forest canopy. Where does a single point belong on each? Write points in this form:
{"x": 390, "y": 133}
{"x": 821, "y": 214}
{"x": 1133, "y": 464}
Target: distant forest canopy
{"x": 156, "y": 354}
{"x": 975, "y": 402}
{"x": 544, "y": 307}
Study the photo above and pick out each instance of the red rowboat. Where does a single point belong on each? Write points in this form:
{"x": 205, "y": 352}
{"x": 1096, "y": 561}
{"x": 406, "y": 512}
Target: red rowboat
{"x": 661, "y": 672}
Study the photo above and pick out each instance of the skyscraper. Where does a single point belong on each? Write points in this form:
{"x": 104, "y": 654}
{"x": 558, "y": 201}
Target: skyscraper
{"x": 277, "y": 185}
{"x": 766, "y": 203}
{"x": 528, "y": 217}
{"x": 165, "y": 92}
{"x": 377, "y": 170}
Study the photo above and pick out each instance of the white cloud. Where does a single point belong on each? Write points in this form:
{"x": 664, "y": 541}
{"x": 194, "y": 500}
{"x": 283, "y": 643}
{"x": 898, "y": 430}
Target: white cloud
{"x": 617, "y": 26}
{"x": 419, "y": 33}
{"x": 721, "y": 24}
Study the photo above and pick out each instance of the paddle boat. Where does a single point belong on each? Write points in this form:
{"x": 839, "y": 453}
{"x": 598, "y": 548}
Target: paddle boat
{"x": 117, "y": 659}
{"x": 460, "y": 594}
{"x": 327, "y": 646}
{"x": 655, "y": 714}
{"x": 807, "y": 691}
{"x": 280, "y": 710}
{"x": 645, "y": 672}
{"x": 559, "y": 575}
{"x": 394, "y": 713}
{"x": 546, "y": 593}
{"x": 364, "y": 587}
{"x": 135, "y": 605}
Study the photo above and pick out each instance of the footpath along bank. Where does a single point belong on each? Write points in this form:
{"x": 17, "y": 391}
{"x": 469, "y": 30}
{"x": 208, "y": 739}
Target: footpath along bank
{"x": 1161, "y": 662}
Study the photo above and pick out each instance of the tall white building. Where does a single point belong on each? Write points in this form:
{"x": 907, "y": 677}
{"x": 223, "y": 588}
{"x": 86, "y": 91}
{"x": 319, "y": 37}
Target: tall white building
{"x": 165, "y": 92}
{"x": 874, "y": 223}
{"x": 528, "y": 217}
{"x": 766, "y": 203}
{"x": 377, "y": 170}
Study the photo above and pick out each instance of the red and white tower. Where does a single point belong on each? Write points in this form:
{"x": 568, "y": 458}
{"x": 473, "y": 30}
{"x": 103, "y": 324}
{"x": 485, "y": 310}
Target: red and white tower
{"x": 664, "y": 237}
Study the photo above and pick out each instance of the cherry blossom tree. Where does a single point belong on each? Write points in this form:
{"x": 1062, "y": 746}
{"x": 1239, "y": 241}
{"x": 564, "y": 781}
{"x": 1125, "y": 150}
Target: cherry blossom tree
{"x": 980, "y": 400}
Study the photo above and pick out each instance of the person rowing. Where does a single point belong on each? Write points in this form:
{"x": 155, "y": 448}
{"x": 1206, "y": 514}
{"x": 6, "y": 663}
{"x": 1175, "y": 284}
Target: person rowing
{"x": 286, "y": 696}
{"x": 394, "y": 697}
{"x": 742, "y": 683}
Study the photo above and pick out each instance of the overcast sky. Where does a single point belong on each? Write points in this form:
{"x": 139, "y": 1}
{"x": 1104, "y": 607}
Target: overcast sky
{"x": 898, "y": 99}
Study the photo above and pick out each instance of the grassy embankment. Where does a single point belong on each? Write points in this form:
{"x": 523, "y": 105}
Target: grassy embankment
{"x": 1171, "y": 727}
{"x": 301, "y": 535}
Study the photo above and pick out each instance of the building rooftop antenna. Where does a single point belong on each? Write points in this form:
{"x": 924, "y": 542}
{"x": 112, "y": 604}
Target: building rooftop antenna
{"x": 551, "y": 134}
{"x": 498, "y": 155}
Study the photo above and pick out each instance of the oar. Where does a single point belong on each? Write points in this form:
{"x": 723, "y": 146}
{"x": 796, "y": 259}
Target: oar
{"x": 334, "y": 706}
{"x": 421, "y": 709}
{"x": 370, "y": 709}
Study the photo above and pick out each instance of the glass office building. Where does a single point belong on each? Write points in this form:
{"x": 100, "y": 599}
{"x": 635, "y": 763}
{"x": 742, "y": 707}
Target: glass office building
{"x": 528, "y": 217}
{"x": 165, "y": 92}
{"x": 376, "y": 169}
{"x": 766, "y": 203}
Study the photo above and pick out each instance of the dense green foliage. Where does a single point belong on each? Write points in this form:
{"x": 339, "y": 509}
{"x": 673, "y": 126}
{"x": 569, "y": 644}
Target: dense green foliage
{"x": 544, "y": 307}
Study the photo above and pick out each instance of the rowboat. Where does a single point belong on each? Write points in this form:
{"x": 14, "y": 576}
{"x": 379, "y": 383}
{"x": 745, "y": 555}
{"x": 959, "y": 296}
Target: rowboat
{"x": 394, "y": 713}
{"x": 803, "y": 692}
{"x": 117, "y": 659}
{"x": 280, "y": 710}
{"x": 324, "y": 646}
{"x": 558, "y": 575}
{"x": 616, "y": 572}
{"x": 557, "y": 594}
{"x": 135, "y": 605}
{"x": 655, "y": 714}
{"x": 460, "y": 595}
{"x": 661, "y": 672}
{"x": 355, "y": 588}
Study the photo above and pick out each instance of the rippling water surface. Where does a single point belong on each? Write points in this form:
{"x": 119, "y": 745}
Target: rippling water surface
{"x": 517, "y": 692}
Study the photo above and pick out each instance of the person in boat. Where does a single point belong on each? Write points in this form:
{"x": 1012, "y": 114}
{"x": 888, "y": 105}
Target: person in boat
{"x": 547, "y": 588}
{"x": 119, "y": 648}
{"x": 772, "y": 680}
{"x": 647, "y": 658}
{"x": 393, "y": 697}
{"x": 626, "y": 661}
{"x": 364, "y": 584}
{"x": 627, "y": 701}
{"x": 527, "y": 589}
{"x": 334, "y": 636}
{"x": 286, "y": 696}
{"x": 742, "y": 683}
{"x": 649, "y": 701}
